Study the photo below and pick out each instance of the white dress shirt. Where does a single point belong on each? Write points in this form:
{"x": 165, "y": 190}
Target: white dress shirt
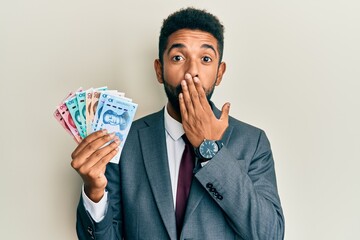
{"x": 175, "y": 148}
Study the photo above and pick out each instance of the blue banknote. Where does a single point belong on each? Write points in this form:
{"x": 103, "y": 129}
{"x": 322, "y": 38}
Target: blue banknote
{"x": 103, "y": 96}
{"x": 116, "y": 116}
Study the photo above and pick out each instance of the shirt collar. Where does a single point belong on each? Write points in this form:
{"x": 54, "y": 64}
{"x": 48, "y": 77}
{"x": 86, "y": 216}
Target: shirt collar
{"x": 173, "y": 127}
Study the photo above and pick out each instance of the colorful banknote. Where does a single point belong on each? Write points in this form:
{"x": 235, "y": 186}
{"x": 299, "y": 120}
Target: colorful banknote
{"x": 83, "y": 112}
{"x": 116, "y": 116}
{"x": 73, "y": 107}
{"x": 62, "y": 122}
{"x": 94, "y": 103}
{"x": 81, "y": 98}
{"x": 63, "y": 116}
{"x": 103, "y": 97}
{"x": 64, "y": 112}
{"x": 89, "y": 117}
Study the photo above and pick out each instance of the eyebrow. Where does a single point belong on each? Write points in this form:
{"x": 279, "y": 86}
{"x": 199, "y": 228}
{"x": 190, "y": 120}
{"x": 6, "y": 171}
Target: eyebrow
{"x": 175, "y": 45}
{"x": 180, "y": 45}
{"x": 208, "y": 46}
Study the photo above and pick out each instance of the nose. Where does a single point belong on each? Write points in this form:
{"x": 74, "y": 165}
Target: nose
{"x": 192, "y": 68}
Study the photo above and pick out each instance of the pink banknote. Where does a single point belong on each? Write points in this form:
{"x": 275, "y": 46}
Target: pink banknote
{"x": 64, "y": 112}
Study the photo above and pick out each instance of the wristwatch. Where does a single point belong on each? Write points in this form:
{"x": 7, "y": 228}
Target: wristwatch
{"x": 208, "y": 149}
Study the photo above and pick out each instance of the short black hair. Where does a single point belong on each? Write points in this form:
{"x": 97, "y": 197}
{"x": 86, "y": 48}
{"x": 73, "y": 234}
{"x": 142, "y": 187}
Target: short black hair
{"x": 193, "y": 19}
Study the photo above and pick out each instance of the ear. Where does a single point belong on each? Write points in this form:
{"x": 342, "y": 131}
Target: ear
{"x": 158, "y": 70}
{"x": 221, "y": 71}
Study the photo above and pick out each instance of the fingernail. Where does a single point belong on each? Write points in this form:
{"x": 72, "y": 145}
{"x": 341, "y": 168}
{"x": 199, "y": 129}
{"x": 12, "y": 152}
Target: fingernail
{"x": 112, "y": 135}
{"x": 183, "y": 82}
{"x": 196, "y": 79}
{"x": 187, "y": 76}
{"x": 117, "y": 140}
{"x": 104, "y": 130}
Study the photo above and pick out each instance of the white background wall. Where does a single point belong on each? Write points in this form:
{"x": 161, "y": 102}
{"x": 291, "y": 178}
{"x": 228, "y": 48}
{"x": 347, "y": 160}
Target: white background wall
{"x": 293, "y": 70}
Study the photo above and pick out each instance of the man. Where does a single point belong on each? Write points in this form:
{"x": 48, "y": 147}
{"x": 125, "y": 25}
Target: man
{"x": 233, "y": 193}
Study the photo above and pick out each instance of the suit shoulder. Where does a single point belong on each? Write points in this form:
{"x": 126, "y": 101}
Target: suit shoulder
{"x": 249, "y": 135}
{"x": 244, "y": 127}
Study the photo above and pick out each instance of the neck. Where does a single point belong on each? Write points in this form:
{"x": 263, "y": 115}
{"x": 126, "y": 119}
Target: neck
{"x": 173, "y": 113}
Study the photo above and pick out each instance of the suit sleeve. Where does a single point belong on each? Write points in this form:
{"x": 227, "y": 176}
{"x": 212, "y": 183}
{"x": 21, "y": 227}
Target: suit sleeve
{"x": 110, "y": 228}
{"x": 246, "y": 192}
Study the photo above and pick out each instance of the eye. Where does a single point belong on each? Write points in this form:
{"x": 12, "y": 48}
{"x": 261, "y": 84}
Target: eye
{"x": 177, "y": 58}
{"x": 206, "y": 59}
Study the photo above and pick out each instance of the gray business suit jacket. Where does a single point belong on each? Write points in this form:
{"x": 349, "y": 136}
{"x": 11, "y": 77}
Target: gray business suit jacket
{"x": 234, "y": 196}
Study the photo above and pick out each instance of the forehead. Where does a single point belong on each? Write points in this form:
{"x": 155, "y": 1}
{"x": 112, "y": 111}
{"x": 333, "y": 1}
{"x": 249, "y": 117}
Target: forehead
{"x": 192, "y": 38}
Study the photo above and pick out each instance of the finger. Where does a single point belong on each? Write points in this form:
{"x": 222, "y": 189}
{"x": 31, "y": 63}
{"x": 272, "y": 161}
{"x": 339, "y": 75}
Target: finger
{"x": 98, "y": 156}
{"x": 183, "y": 110}
{"x": 95, "y": 145}
{"x": 193, "y": 92}
{"x": 98, "y": 170}
{"x": 89, "y": 149}
{"x": 106, "y": 159}
{"x": 187, "y": 99}
{"x": 92, "y": 137}
{"x": 225, "y": 112}
{"x": 202, "y": 95}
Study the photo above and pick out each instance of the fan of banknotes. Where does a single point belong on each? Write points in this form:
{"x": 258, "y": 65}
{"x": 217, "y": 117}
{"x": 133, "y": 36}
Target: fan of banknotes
{"x": 84, "y": 112}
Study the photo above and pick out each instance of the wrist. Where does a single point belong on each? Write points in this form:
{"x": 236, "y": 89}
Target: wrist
{"x": 94, "y": 194}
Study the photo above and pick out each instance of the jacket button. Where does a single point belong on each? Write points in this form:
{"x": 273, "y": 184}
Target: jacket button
{"x": 209, "y": 185}
{"x": 220, "y": 197}
{"x": 90, "y": 231}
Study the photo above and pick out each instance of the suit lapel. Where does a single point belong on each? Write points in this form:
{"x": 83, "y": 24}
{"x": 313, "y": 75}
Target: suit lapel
{"x": 153, "y": 146}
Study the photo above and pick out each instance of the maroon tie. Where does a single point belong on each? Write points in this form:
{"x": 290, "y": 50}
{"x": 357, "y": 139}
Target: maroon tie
{"x": 184, "y": 182}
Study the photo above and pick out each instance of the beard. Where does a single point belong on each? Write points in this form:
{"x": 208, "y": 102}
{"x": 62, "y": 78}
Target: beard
{"x": 172, "y": 94}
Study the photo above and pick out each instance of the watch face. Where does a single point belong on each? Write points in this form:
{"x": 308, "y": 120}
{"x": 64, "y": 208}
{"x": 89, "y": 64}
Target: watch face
{"x": 208, "y": 149}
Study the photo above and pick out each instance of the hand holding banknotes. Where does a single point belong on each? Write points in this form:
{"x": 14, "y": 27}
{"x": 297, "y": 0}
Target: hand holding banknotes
{"x": 89, "y": 159}
{"x": 99, "y": 120}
